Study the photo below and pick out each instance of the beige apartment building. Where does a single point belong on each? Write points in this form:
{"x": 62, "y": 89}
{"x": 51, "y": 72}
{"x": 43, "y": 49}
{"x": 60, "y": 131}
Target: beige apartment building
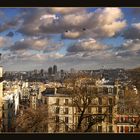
{"x": 63, "y": 115}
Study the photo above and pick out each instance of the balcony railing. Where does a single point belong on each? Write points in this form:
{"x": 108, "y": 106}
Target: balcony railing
{"x": 125, "y": 122}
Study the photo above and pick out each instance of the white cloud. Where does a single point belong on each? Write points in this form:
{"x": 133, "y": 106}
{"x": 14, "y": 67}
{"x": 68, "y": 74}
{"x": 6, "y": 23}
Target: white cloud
{"x": 38, "y": 44}
{"x": 71, "y": 34}
{"x": 131, "y": 45}
{"x": 136, "y": 25}
{"x": 133, "y": 32}
{"x": 5, "y": 41}
{"x": 67, "y": 10}
{"x": 87, "y": 45}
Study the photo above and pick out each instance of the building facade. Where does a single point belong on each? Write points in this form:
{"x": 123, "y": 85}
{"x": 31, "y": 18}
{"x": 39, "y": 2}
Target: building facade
{"x": 65, "y": 114}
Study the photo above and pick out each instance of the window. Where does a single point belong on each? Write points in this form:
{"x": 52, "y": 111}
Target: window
{"x": 121, "y": 129}
{"x": 66, "y": 120}
{"x": 105, "y": 90}
{"x": 45, "y": 100}
{"x": 57, "y": 101}
{"x": 2, "y": 107}
{"x": 134, "y": 120}
{"x": 110, "y": 90}
{"x": 110, "y": 128}
{"x": 57, "y": 119}
{"x": 78, "y": 118}
{"x": 66, "y": 128}
{"x": 110, "y": 109}
{"x": 100, "y": 101}
{"x": 110, "y": 101}
{"x": 66, "y": 101}
{"x": 99, "y": 128}
{"x": 121, "y": 119}
{"x": 57, "y": 110}
{"x": 131, "y": 129}
{"x": 66, "y": 111}
{"x": 100, "y": 90}
{"x": 130, "y": 119}
{"x": 57, "y": 128}
{"x": 126, "y": 118}
{"x": 110, "y": 119}
{"x": 99, "y": 109}
{"x": 3, "y": 115}
{"x": 89, "y": 109}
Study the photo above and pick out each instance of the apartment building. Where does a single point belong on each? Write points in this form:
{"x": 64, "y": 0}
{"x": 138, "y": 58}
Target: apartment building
{"x": 10, "y": 108}
{"x": 126, "y": 123}
{"x": 65, "y": 114}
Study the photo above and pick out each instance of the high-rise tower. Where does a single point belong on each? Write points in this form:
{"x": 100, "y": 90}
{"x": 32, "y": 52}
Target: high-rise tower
{"x": 54, "y": 69}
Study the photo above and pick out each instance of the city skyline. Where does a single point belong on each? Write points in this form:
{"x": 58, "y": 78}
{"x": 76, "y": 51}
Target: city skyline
{"x": 69, "y": 37}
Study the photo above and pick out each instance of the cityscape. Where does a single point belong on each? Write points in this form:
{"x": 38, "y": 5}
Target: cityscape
{"x": 70, "y": 70}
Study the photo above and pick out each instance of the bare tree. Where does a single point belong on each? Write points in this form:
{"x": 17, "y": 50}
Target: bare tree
{"x": 84, "y": 93}
{"x": 32, "y": 120}
{"x": 84, "y": 96}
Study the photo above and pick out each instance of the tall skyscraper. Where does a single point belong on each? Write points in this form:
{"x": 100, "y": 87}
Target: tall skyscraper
{"x": 54, "y": 69}
{"x": 50, "y": 70}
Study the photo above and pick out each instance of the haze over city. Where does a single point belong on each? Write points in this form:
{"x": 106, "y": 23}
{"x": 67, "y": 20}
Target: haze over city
{"x": 69, "y": 37}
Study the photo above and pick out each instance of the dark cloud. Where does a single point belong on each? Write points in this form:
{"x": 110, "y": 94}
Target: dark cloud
{"x": 128, "y": 49}
{"x": 87, "y": 45}
{"x": 128, "y": 54}
{"x": 37, "y": 44}
{"x": 104, "y": 22}
{"x": 10, "y": 34}
{"x": 30, "y": 18}
{"x": 131, "y": 33}
{"x": 8, "y": 25}
{"x": 19, "y": 46}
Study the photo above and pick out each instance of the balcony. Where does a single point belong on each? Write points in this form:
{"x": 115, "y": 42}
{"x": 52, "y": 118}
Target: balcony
{"x": 125, "y": 122}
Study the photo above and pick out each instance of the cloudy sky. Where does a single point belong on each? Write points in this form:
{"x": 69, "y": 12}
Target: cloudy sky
{"x": 69, "y": 37}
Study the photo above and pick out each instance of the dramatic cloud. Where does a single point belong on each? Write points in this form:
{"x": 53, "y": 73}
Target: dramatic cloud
{"x": 136, "y": 25}
{"x": 33, "y": 44}
{"x": 129, "y": 48}
{"x": 9, "y": 25}
{"x": 53, "y": 46}
{"x": 71, "y": 34}
{"x": 104, "y": 22}
{"x": 31, "y": 20}
{"x": 132, "y": 44}
{"x": 28, "y": 60}
{"x": 78, "y": 37}
{"x": 87, "y": 45}
{"x": 132, "y": 32}
{"x": 4, "y": 42}
{"x": 109, "y": 21}
{"x": 66, "y": 10}
{"x": 37, "y": 44}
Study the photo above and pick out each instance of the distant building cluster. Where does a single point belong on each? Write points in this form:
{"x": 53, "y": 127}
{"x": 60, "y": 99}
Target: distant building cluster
{"x": 22, "y": 90}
